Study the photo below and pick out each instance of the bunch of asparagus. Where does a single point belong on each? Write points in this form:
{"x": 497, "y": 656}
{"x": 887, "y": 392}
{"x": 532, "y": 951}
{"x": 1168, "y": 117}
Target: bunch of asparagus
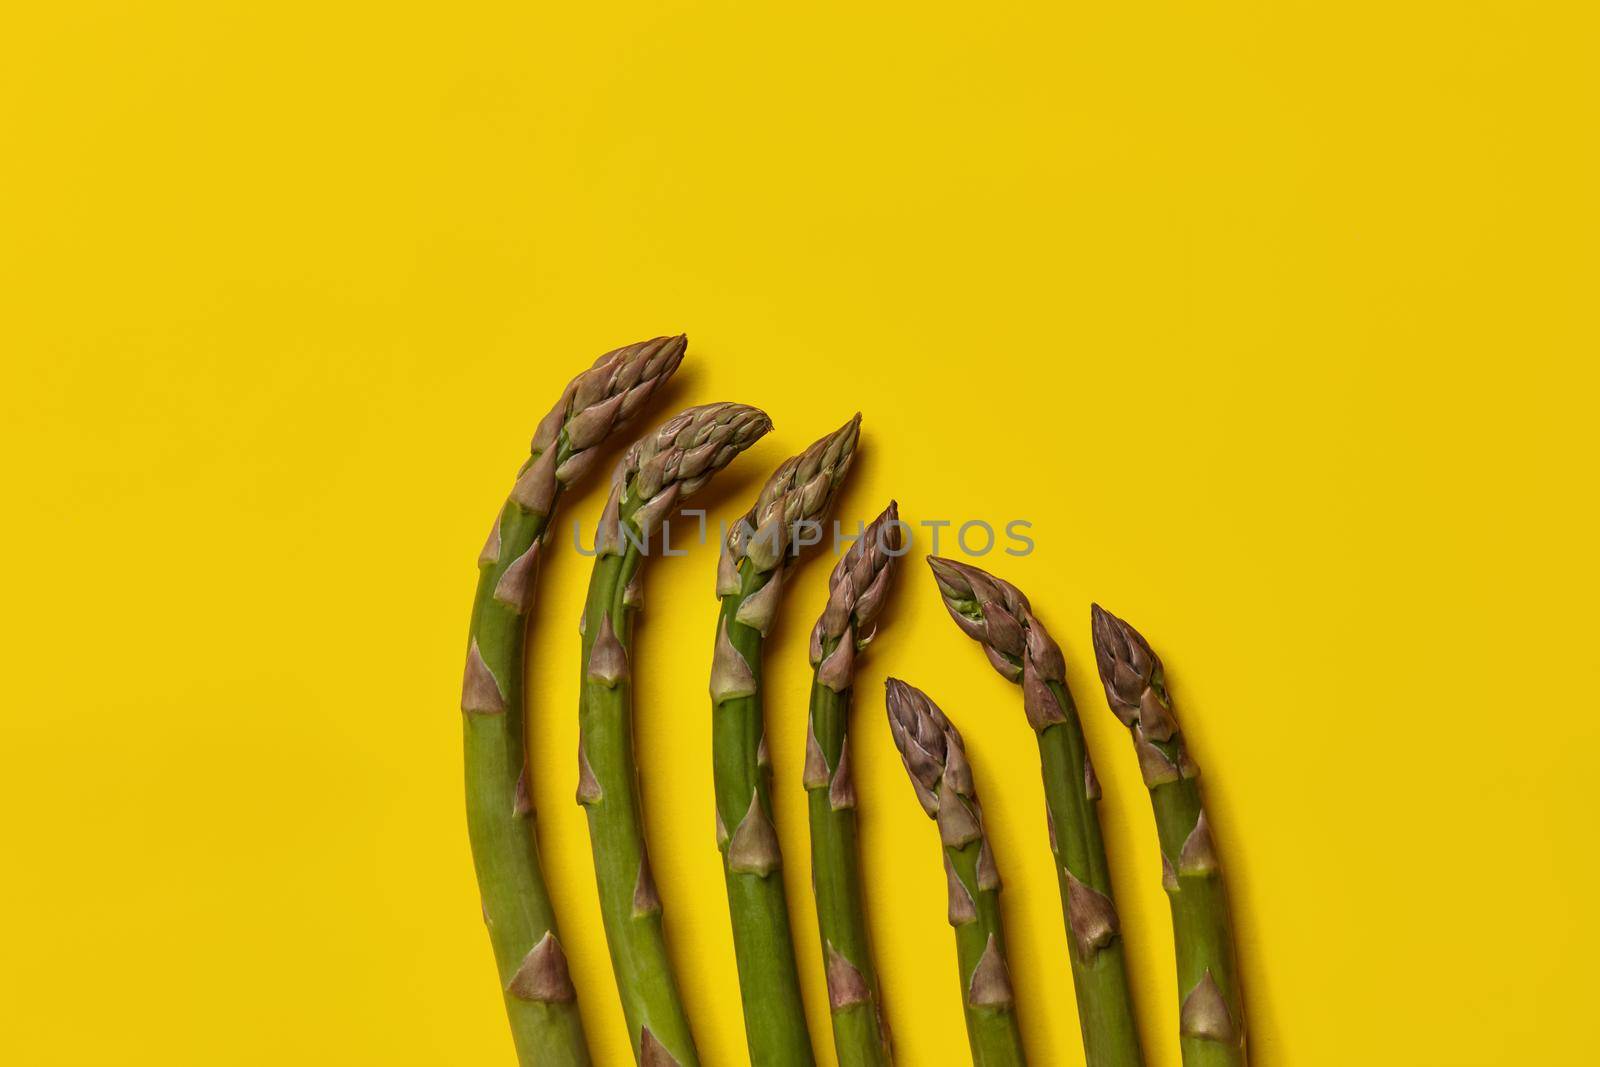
{"x": 655, "y": 476}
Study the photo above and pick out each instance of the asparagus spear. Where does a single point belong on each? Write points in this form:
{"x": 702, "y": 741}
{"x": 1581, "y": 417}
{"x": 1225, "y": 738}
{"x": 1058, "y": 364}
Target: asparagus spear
{"x": 658, "y": 473}
{"x": 539, "y": 996}
{"x": 1211, "y": 1010}
{"x": 936, "y": 759}
{"x": 996, "y": 614}
{"x": 856, "y": 592}
{"x": 756, "y": 557}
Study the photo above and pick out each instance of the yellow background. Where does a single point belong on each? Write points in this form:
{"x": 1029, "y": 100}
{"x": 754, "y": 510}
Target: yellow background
{"x": 1276, "y": 320}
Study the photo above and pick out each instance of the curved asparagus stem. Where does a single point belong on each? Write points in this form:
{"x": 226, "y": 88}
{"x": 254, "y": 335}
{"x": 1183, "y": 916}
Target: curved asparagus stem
{"x": 1211, "y": 1010}
{"x": 539, "y": 997}
{"x": 659, "y": 472}
{"x": 996, "y": 614}
{"x": 936, "y": 759}
{"x": 856, "y": 593}
{"x": 756, "y": 557}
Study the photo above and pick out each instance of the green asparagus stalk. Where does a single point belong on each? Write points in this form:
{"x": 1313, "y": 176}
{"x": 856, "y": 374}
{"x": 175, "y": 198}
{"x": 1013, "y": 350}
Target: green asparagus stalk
{"x": 1211, "y": 1010}
{"x": 539, "y": 997}
{"x": 996, "y": 615}
{"x": 757, "y": 555}
{"x": 856, "y": 593}
{"x": 936, "y": 759}
{"x": 657, "y": 475}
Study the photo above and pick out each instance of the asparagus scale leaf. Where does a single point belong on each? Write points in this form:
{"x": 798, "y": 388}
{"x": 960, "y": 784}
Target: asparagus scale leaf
{"x": 1211, "y": 1010}
{"x": 539, "y": 997}
{"x": 936, "y": 759}
{"x": 857, "y": 590}
{"x": 757, "y": 556}
{"x": 997, "y": 615}
{"x": 658, "y": 473}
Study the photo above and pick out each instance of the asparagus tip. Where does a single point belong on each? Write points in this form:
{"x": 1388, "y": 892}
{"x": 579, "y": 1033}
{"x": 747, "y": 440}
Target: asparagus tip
{"x": 1131, "y": 673}
{"x": 679, "y": 456}
{"x": 998, "y": 616}
{"x": 668, "y": 348}
{"x": 1121, "y": 654}
{"x": 801, "y": 490}
{"x": 929, "y": 743}
{"x": 857, "y": 591}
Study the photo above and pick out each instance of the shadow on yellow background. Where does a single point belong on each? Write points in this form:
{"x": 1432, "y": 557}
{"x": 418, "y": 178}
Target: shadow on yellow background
{"x": 1275, "y": 321}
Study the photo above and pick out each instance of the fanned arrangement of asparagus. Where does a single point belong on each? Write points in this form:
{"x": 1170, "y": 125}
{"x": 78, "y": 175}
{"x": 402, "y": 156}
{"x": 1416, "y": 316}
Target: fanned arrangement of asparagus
{"x": 996, "y": 615}
{"x": 857, "y": 590}
{"x": 659, "y": 472}
{"x": 757, "y": 556}
{"x": 1210, "y": 1012}
{"x": 656, "y": 475}
{"x": 936, "y": 759}
{"x": 538, "y": 993}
